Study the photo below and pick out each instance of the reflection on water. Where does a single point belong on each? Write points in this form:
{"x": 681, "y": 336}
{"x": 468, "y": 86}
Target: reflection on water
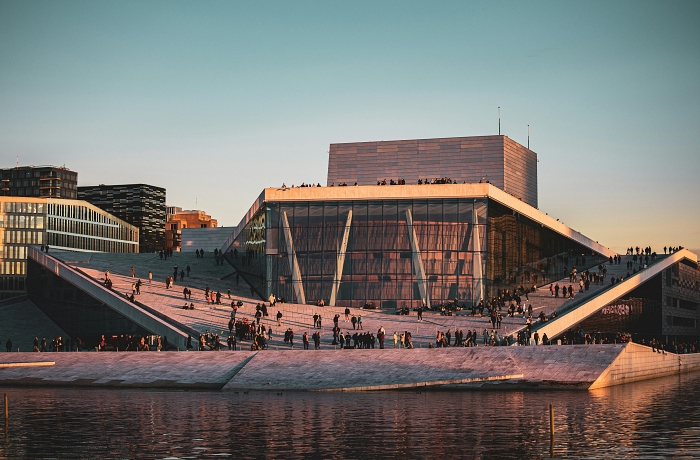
{"x": 658, "y": 418}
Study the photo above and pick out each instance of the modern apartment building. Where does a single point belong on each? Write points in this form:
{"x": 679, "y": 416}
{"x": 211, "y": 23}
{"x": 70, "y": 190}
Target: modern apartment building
{"x": 60, "y": 224}
{"x": 39, "y": 181}
{"x": 141, "y": 205}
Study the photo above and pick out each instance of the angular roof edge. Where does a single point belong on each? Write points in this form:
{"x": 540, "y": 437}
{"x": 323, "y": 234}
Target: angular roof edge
{"x": 404, "y": 192}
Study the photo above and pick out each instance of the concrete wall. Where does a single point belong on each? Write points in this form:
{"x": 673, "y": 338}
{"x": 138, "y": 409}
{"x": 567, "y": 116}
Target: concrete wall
{"x": 507, "y": 164}
{"x": 567, "y": 367}
{"x": 638, "y": 362}
{"x": 204, "y": 238}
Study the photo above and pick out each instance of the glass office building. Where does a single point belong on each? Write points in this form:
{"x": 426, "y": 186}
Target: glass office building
{"x": 60, "y": 224}
{"x": 396, "y": 252}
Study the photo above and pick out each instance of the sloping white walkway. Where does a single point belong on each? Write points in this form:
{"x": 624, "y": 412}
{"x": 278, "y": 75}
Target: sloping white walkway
{"x": 569, "y": 319}
{"x": 176, "y": 335}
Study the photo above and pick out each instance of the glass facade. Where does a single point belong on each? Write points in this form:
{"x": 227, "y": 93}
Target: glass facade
{"x": 522, "y": 252}
{"x": 399, "y": 252}
{"x": 62, "y": 224}
{"x": 639, "y": 312}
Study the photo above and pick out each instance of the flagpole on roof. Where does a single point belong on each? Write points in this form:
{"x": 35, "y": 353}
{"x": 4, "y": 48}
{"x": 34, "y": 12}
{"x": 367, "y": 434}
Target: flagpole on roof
{"x": 499, "y": 120}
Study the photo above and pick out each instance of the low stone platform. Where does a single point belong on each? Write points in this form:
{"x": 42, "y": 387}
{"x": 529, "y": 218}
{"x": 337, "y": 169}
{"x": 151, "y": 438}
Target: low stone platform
{"x": 567, "y": 367}
{"x": 183, "y": 370}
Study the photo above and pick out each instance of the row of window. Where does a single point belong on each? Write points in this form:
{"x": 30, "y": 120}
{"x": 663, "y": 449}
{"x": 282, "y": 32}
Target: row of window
{"x": 19, "y": 221}
{"x": 41, "y": 183}
{"x": 95, "y": 229}
{"x": 680, "y": 321}
{"x": 54, "y": 192}
{"x": 22, "y": 207}
{"x": 680, "y": 303}
{"x": 22, "y": 237}
{"x": 11, "y": 283}
{"x": 13, "y": 252}
{"x": 79, "y": 212}
{"x": 89, "y": 243}
{"x": 37, "y": 173}
{"x": 13, "y": 268}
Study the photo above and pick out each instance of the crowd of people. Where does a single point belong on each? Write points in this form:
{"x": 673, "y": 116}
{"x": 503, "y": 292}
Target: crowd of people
{"x": 58, "y": 344}
{"x": 399, "y": 181}
{"x": 507, "y": 302}
{"x": 671, "y": 249}
{"x": 680, "y": 348}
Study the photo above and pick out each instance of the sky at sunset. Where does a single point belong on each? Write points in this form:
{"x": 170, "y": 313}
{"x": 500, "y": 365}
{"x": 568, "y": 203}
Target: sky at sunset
{"x": 216, "y": 100}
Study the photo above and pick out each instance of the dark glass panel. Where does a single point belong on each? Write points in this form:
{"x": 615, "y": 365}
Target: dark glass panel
{"x": 390, "y": 211}
{"x": 466, "y": 210}
{"x": 359, "y": 212}
{"x": 315, "y": 214}
{"x": 522, "y": 251}
{"x": 374, "y": 210}
{"x": 301, "y": 215}
{"x": 288, "y": 209}
{"x": 420, "y": 211}
{"x": 481, "y": 210}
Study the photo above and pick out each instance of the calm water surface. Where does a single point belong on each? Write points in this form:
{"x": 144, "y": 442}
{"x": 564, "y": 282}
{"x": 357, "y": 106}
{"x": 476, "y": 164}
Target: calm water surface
{"x": 655, "y": 419}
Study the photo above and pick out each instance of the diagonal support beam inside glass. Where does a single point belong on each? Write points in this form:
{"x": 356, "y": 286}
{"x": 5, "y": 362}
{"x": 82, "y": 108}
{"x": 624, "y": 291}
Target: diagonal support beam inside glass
{"x": 418, "y": 268}
{"x": 342, "y": 247}
{"x": 293, "y": 264}
{"x": 476, "y": 260}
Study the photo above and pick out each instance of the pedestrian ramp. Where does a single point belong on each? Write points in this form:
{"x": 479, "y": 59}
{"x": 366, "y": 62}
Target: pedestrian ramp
{"x": 570, "y": 315}
{"x": 141, "y": 315}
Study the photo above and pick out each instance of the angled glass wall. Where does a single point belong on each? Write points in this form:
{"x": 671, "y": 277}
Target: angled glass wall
{"x": 247, "y": 254}
{"x": 524, "y": 253}
{"x": 389, "y": 252}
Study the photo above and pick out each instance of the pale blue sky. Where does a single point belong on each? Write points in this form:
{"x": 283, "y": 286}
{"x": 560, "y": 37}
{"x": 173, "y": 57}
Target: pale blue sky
{"x": 216, "y": 100}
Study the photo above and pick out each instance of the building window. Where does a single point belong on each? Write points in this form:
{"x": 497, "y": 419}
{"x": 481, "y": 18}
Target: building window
{"x": 680, "y": 322}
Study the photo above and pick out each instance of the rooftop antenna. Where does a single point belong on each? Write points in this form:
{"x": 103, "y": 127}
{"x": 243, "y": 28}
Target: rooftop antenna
{"x": 499, "y": 121}
{"x": 196, "y": 204}
{"x": 17, "y": 162}
{"x": 528, "y": 137}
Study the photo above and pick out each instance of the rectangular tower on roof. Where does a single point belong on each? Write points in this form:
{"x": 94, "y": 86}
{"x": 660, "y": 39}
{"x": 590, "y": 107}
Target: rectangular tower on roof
{"x": 497, "y": 159}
